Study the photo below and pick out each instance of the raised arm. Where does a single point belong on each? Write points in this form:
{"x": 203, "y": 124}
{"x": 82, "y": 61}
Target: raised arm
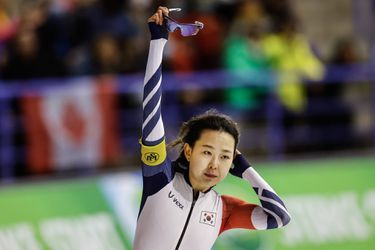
{"x": 152, "y": 126}
{"x": 271, "y": 214}
{"x": 156, "y": 169}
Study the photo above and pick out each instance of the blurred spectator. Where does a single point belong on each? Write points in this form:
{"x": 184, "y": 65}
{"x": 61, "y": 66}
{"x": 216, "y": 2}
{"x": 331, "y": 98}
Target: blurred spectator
{"x": 107, "y": 56}
{"x": 26, "y": 59}
{"x": 356, "y": 97}
{"x": 203, "y": 51}
{"x": 289, "y": 53}
{"x": 277, "y": 11}
{"x": 7, "y": 22}
{"x": 50, "y": 29}
{"x": 183, "y": 56}
{"x": 103, "y": 16}
{"x": 30, "y": 52}
{"x": 7, "y": 28}
{"x": 332, "y": 129}
{"x": 292, "y": 59}
{"x": 68, "y": 6}
{"x": 344, "y": 53}
{"x": 244, "y": 55}
{"x": 209, "y": 42}
{"x": 88, "y": 22}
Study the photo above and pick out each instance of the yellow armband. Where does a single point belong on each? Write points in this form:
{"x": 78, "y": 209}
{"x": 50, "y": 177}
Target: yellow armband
{"x": 154, "y": 155}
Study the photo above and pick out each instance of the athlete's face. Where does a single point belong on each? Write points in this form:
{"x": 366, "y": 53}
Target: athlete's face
{"x": 210, "y": 159}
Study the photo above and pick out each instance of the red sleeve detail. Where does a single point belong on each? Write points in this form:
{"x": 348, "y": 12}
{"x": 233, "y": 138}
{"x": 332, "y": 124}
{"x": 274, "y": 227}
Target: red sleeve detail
{"x": 236, "y": 214}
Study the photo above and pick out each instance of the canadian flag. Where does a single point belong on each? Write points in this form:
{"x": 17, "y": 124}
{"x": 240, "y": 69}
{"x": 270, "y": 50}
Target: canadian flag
{"x": 72, "y": 126}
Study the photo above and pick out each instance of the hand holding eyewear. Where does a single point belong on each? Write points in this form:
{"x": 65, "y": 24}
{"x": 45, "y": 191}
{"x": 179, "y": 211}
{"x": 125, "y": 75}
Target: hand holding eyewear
{"x": 186, "y": 29}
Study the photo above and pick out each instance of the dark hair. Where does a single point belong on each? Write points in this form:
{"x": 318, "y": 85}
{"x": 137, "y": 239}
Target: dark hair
{"x": 191, "y": 130}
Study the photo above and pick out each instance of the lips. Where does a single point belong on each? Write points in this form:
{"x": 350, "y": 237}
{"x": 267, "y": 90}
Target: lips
{"x": 210, "y": 175}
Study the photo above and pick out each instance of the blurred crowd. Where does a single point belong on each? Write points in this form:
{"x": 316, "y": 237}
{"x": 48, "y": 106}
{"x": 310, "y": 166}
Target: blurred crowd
{"x": 62, "y": 38}
{"x": 44, "y": 38}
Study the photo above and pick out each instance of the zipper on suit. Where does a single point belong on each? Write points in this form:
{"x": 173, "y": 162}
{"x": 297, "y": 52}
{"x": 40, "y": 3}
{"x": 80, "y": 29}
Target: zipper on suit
{"x": 195, "y": 198}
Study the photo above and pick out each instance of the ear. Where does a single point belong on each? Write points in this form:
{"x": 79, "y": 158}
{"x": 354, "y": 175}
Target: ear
{"x": 187, "y": 151}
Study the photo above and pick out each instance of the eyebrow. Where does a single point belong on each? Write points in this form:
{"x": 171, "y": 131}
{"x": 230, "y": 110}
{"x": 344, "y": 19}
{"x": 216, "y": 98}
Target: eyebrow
{"x": 211, "y": 147}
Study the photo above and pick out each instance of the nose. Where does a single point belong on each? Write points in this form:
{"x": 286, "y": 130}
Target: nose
{"x": 214, "y": 163}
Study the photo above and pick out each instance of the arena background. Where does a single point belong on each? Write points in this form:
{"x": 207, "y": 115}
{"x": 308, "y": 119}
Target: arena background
{"x": 70, "y": 106}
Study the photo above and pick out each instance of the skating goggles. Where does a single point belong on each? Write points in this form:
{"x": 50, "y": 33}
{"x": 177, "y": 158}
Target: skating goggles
{"x": 186, "y": 29}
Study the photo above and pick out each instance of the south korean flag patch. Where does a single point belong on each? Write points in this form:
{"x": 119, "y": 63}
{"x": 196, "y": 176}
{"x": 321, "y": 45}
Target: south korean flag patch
{"x": 208, "y": 218}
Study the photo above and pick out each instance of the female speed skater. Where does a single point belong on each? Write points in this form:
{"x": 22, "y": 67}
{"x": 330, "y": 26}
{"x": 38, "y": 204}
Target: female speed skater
{"x": 179, "y": 207}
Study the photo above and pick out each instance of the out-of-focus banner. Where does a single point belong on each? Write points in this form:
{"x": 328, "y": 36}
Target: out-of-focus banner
{"x": 59, "y": 216}
{"x": 332, "y": 204}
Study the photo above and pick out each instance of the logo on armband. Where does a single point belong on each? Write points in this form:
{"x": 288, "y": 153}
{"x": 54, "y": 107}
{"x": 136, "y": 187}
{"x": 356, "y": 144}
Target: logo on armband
{"x": 152, "y": 157}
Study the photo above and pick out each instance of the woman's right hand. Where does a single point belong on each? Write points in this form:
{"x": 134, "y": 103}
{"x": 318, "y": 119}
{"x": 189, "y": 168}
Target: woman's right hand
{"x": 157, "y": 17}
